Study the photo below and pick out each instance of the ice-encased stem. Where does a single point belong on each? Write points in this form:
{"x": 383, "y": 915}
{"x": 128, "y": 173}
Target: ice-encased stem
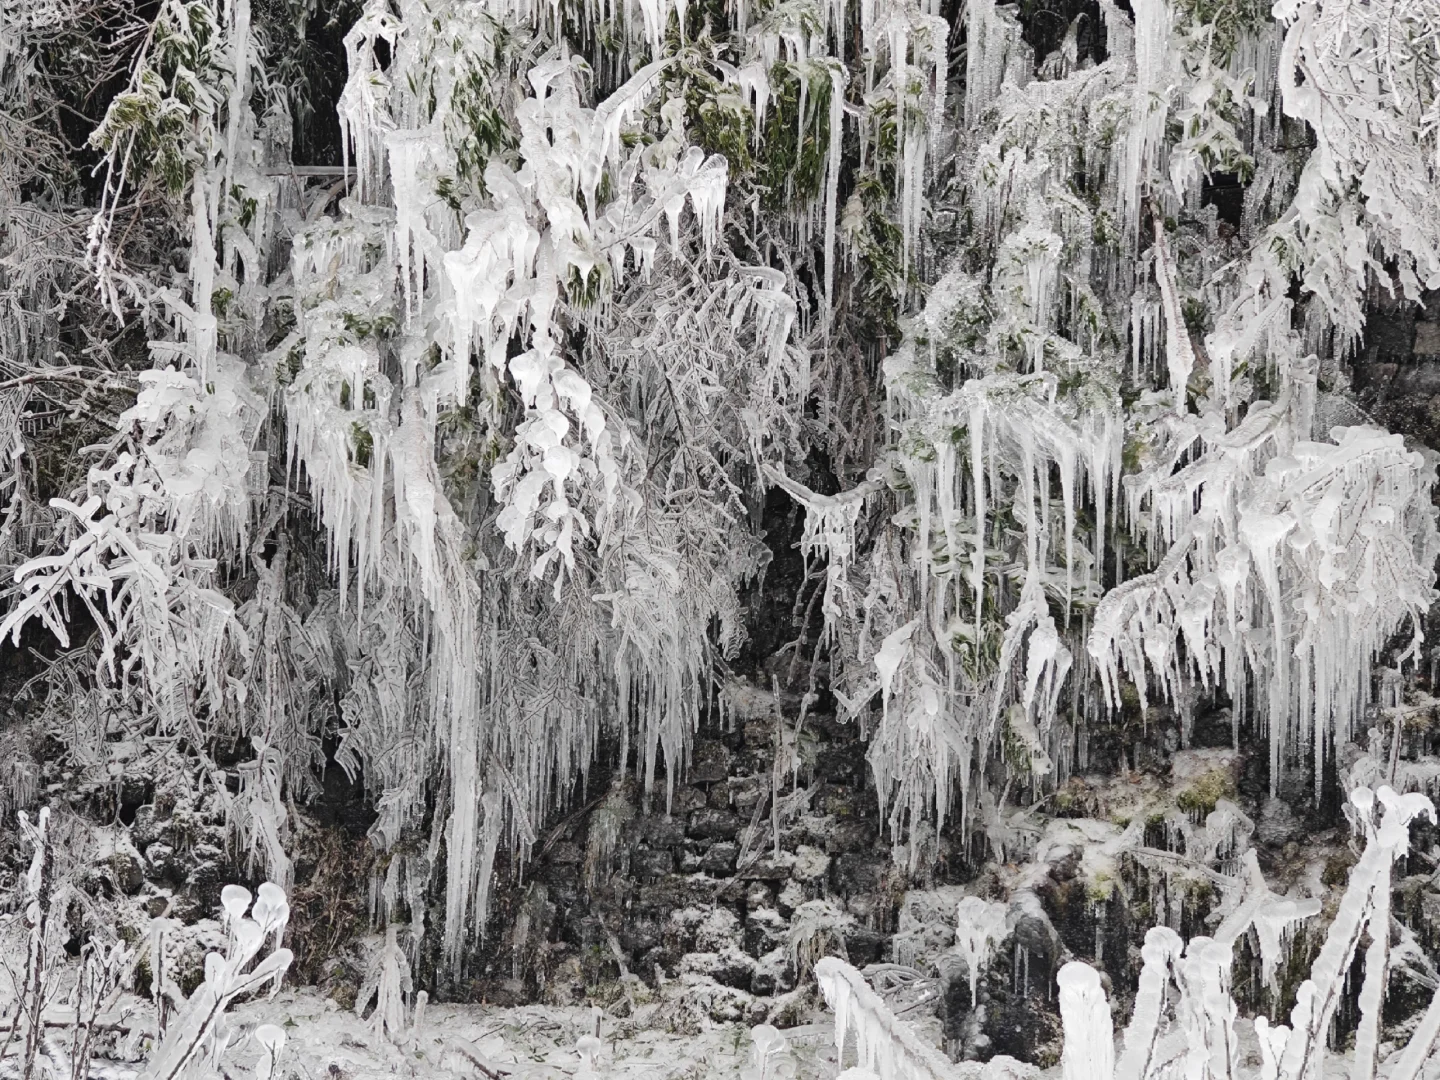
{"x": 1089, "y": 1052}
{"x": 1319, "y": 995}
{"x": 883, "y": 1043}
{"x": 1161, "y": 950}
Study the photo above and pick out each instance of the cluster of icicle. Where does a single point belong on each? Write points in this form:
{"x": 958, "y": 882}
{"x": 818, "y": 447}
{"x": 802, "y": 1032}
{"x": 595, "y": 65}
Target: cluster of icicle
{"x": 471, "y": 290}
{"x": 1278, "y": 559}
{"x": 1284, "y": 561}
{"x": 917, "y": 631}
{"x": 1199, "y": 1038}
{"x": 579, "y": 202}
{"x": 1283, "y": 558}
{"x": 1184, "y": 1019}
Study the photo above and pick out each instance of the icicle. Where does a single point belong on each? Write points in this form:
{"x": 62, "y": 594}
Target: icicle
{"x": 406, "y": 152}
{"x": 1149, "y": 110}
{"x": 985, "y": 67}
{"x": 1179, "y": 354}
{"x": 832, "y": 176}
{"x": 982, "y": 524}
{"x": 239, "y": 34}
{"x": 830, "y": 522}
{"x": 202, "y": 281}
{"x": 979, "y": 925}
{"x": 912, "y": 176}
{"x": 362, "y": 107}
{"x": 1275, "y": 923}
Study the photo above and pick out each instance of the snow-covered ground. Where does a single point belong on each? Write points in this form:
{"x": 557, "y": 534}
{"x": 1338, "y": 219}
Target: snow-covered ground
{"x": 538, "y": 1042}
{"x": 531, "y": 1042}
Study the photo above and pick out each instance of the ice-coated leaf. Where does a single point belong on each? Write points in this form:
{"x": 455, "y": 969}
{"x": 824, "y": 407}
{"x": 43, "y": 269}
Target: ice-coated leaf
{"x": 236, "y": 901}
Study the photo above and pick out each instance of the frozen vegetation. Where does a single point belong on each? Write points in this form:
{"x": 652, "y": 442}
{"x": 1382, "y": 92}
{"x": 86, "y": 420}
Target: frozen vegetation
{"x": 813, "y": 539}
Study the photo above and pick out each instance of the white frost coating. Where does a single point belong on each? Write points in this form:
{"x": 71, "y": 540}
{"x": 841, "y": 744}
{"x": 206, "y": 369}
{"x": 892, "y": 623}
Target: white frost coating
{"x": 340, "y": 392}
{"x": 770, "y": 1057}
{"x": 199, "y": 1034}
{"x": 1089, "y": 1052}
{"x": 271, "y": 1038}
{"x": 1200, "y": 1039}
{"x": 202, "y": 279}
{"x": 572, "y": 209}
{"x": 979, "y": 926}
{"x": 322, "y": 423}
{"x": 911, "y": 40}
{"x": 198, "y": 442}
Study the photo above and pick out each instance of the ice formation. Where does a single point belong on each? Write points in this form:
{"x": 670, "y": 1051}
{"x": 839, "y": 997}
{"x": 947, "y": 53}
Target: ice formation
{"x": 884, "y": 1046}
{"x": 1089, "y": 1036}
{"x": 1282, "y": 559}
{"x": 979, "y": 926}
{"x": 578, "y": 207}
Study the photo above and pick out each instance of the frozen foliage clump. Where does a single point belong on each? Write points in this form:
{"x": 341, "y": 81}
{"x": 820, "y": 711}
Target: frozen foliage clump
{"x": 1061, "y": 539}
{"x": 198, "y": 1036}
{"x": 1339, "y": 534}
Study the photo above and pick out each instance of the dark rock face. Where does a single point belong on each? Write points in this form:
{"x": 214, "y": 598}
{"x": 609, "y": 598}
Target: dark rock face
{"x": 1396, "y": 376}
{"x": 765, "y": 931}
{"x": 723, "y": 893}
{"x": 711, "y": 824}
{"x": 860, "y": 872}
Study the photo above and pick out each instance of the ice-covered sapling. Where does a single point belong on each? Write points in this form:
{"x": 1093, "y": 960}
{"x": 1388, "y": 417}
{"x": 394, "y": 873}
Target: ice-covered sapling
{"x": 387, "y": 984}
{"x": 200, "y": 1034}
